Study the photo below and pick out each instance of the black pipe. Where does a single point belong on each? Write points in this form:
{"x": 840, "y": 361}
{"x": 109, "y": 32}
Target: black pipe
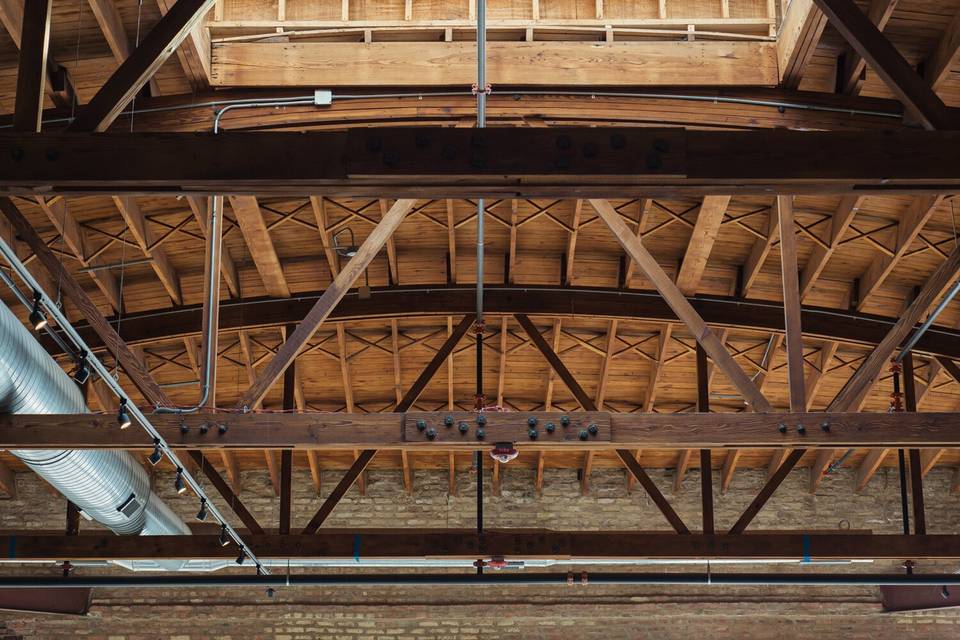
{"x": 507, "y": 579}
{"x": 901, "y": 459}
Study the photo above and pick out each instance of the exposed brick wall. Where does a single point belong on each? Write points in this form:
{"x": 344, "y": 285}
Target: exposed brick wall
{"x": 396, "y": 613}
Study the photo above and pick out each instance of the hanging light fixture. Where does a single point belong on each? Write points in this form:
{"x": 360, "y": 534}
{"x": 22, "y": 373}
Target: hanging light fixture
{"x": 179, "y": 484}
{"x": 157, "y": 454}
{"x": 37, "y": 318}
{"x": 349, "y": 250}
{"x": 82, "y": 373}
{"x": 123, "y": 418}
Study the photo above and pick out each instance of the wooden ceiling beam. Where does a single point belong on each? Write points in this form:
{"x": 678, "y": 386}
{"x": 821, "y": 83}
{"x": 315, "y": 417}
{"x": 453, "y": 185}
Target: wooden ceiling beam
{"x": 32, "y": 67}
{"x": 857, "y": 29}
{"x": 140, "y": 230}
{"x": 556, "y": 364}
{"x": 800, "y": 30}
{"x": 439, "y": 358}
{"x": 347, "y": 432}
{"x": 701, "y": 242}
{"x": 783, "y": 208}
{"x": 111, "y": 26}
{"x": 134, "y": 369}
{"x": 324, "y": 305}
{"x": 839, "y": 222}
{"x": 249, "y": 217}
{"x": 141, "y": 65}
{"x": 57, "y": 82}
{"x": 918, "y": 213}
{"x": 937, "y": 67}
{"x": 193, "y": 52}
{"x": 521, "y": 161}
{"x": 628, "y": 459}
{"x": 678, "y": 302}
{"x": 354, "y": 472}
{"x": 853, "y": 70}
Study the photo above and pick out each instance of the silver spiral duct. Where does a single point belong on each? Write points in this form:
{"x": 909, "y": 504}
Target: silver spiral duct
{"x": 109, "y": 486}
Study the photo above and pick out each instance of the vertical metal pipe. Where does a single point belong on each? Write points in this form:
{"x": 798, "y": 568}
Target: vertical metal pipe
{"x": 901, "y": 459}
{"x": 481, "y": 123}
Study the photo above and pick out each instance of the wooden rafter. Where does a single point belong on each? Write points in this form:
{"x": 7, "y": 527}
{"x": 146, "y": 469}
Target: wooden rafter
{"x": 853, "y": 68}
{"x": 839, "y": 222}
{"x": 354, "y": 472}
{"x": 254, "y": 229}
{"x": 32, "y": 67}
{"x": 193, "y": 52}
{"x": 144, "y": 236}
{"x": 676, "y": 300}
{"x": 231, "y": 498}
{"x": 441, "y": 355}
{"x": 938, "y": 65}
{"x": 556, "y": 363}
{"x": 137, "y": 69}
{"x": 803, "y": 24}
{"x": 701, "y": 242}
{"x": 324, "y": 305}
{"x": 887, "y": 62}
{"x": 634, "y": 467}
{"x": 57, "y": 82}
{"x": 111, "y": 26}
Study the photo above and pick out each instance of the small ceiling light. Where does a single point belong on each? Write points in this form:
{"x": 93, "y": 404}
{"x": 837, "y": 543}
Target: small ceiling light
{"x": 224, "y": 536}
{"x": 260, "y": 571}
{"x": 157, "y": 454}
{"x": 179, "y": 484}
{"x": 202, "y": 514}
{"x": 242, "y": 556}
{"x": 82, "y": 373}
{"x": 37, "y": 318}
{"x": 123, "y": 418}
{"x": 348, "y": 250}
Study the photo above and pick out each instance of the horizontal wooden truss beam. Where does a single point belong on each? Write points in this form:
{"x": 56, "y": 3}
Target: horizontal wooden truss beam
{"x": 427, "y": 430}
{"x": 454, "y": 162}
{"x": 394, "y": 302}
{"x": 465, "y": 543}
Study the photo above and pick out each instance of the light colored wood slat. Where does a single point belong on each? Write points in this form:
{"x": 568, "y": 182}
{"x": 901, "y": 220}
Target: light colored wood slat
{"x": 316, "y": 472}
{"x": 919, "y": 212}
{"x": 452, "y": 240}
{"x": 800, "y": 30}
{"x": 253, "y": 64}
{"x": 246, "y": 209}
{"x": 391, "y": 248}
{"x": 323, "y": 223}
{"x": 512, "y": 257}
{"x": 938, "y": 65}
{"x": 644, "y": 205}
{"x": 111, "y": 26}
{"x": 58, "y": 212}
{"x": 729, "y": 467}
{"x": 451, "y": 474}
{"x": 869, "y": 467}
{"x": 572, "y": 241}
{"x": 680, "y": 306}
{"x": 607, "y": 363}
{"x": 551, "y": 374}
{"x": 193, "y": 52}
{"x": 759, "y": 252}
{"x": 701, "y": 243}
{"x": 816, "y": 377}
{"x": 585, "y": 472}
{"x": 656, "y": 369}
{"x": 502, "y": 368}
{"x": 144, "y": 236}
{"x": 683, "y": 463}
{"x": 345, "y": 374}
{"x": 838, "y": 225}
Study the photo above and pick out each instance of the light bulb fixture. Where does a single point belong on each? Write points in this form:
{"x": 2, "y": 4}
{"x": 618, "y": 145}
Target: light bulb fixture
{"x": 224, "y": 536}
{"x": 157, "y": 454}
{"x": 242, "y": 556}
{"x": 348, "y": 250}
{"x": 37, "y": 318}
{"x": 123, "y": 418}
{"x": 202, "y": 514}
{"x": 179, "y": 484}
{"x": 260, "y": 570}
{"x": 82, "y": 373}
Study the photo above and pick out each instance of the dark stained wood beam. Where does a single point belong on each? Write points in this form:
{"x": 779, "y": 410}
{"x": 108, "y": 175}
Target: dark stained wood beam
{"x": 523, "y": 162}
{"x": 339, "y": 491}
{"x": 232, "y": 499}
{"x": 466, "y": 544}
{"x": 861, "y": 381}
{"x": 678, "y": 302}
{"x": 853, "y": 71}
{"x": 32, "y": 69}
{"x": 887, "y": 62}
{"x": 132, "y": 366}
{"x": 706, "y": 458}
{"x": 556, "y": 364}
{"x": 937, "y": 67}
{"x": 439, "y": 358}
{"x": 783, "y": 207}
{"x": 111, "y": 26}
{"x": 58, "y": 84}
{"x": 141, "y": 65}
{"x": 768, "y": 489}
{"x": 800, "y": 30}
{"x": 662, "y": 504}
{"x": 347, "y": 432}
{"x": 324, "y": 305}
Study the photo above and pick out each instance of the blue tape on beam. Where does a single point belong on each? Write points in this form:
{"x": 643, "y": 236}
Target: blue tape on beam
{"x": 356, "y": 547}
{"x": 12, "y": 547}
{"x": 806, "y": 548}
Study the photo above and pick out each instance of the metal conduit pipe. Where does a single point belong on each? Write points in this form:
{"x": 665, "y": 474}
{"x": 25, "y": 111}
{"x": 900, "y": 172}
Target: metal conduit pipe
{"x": 109, "y": 486}
{"x": 470, "y": 579}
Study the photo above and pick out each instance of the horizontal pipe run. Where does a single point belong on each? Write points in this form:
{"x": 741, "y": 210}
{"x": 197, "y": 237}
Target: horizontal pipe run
{"x": 472, "y": 579}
